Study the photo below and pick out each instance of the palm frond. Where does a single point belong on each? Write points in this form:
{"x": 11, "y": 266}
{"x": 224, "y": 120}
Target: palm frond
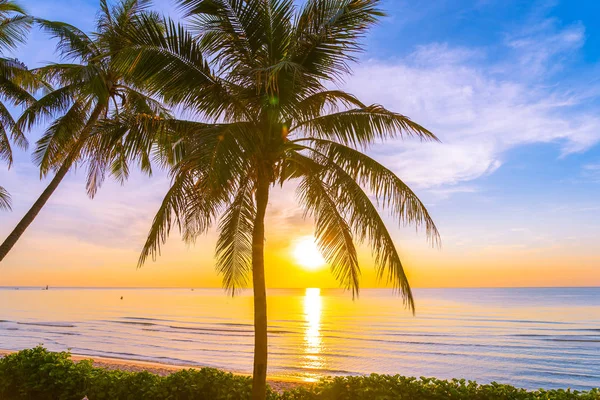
{"x": 328, "y": 33}
{"x": 203, "y": 181}
{"x": 72, "y": 42}
{"x": 168, "y": 62}
{"x": 219, "y": 155}
{"x": 368, "y": 225}
{"x": 138, "y": 136}
{"x": 316, "y": 104}
{"x": 390, "y": 192}
{"x": 42, "y": 110}
{"x": 7, "y": 123}
{"x": 277, "y": 23}
{"x": 96, "y": 171}
{"x": 14, "y": 24}
{"x": 59, "y": 138}
{"x": 120, "y": 14}
{"x": 228, "y": 30}
{"x": 64, "y": 74}
{"x": 17, "y": 82}
{"x": 169, "y": 213}
{"x": 361, "y": 127}
{"x": 5, "y": 201}
{"x": 119, "y": 167}
{"x": 234, "y": 245}
{"x": 137, "y": 102}
{"x": 188, "y": 205}
{"x": 117, "y": 21}
{"x": 332, "y": 232}
{"x": 124, "y": 138}
{"x": 9, "y": 6}
{"x": 5, "y": 147}
{"x": 114, "y": 158}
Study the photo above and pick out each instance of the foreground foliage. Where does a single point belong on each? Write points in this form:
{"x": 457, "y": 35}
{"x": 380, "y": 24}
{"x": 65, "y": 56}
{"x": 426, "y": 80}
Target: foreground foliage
{"x": 43, "y": 375}
{"x": 388, "y": 387}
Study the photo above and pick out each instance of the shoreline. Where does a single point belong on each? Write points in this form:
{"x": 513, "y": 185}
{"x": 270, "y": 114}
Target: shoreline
{"x": 131, "y": 365}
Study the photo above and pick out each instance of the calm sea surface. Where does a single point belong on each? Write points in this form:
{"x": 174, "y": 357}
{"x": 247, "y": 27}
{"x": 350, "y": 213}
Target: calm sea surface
{"x": 526, "y": 337}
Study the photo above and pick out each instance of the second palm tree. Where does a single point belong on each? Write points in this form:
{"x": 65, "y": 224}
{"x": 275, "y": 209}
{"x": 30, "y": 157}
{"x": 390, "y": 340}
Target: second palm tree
{"x": 90, "y": 93}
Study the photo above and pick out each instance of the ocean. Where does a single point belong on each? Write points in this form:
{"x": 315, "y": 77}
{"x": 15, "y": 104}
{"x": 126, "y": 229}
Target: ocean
{"x": 528, "y": 337}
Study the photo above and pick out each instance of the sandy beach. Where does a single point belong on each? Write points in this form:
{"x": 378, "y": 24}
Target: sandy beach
{"x": 277, "y": 384}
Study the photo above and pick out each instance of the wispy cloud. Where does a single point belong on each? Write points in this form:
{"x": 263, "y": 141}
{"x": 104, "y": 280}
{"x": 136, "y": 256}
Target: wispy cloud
{"x": 446, "y": 192}
{"x": 591, "y": 172}
{"x": 544, "y": 48}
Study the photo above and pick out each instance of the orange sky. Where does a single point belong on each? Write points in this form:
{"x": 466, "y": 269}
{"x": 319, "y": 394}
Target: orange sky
{"x": 79, "y": 242}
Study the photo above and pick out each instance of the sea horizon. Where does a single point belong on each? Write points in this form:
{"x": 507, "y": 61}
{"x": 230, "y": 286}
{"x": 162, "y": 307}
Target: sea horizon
{"x": 294, "y": 288}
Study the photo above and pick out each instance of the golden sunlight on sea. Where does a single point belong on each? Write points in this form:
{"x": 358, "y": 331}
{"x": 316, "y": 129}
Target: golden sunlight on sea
{"x": 313, "y": 360}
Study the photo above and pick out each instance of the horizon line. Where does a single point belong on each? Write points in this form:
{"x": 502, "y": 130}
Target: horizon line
{"x": 295, "y": 288}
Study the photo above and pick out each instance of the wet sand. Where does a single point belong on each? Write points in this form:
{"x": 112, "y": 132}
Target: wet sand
{"x": 277, "y": 384}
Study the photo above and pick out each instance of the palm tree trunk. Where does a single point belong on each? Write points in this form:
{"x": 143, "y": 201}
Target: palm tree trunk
{"x": 28, "y": 218}
{"x": 259, "y": 382}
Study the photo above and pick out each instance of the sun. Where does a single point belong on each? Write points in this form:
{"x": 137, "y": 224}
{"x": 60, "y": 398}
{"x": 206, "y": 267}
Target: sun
{"x": 307, "y": 253}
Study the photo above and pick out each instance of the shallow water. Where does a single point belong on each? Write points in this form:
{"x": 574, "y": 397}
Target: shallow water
{"x": 526, "y": 337}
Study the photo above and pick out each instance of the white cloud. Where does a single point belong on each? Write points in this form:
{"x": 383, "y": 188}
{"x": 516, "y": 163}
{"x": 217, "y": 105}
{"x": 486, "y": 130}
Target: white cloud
{"x": 478, "y": 112}
{"x": 431, "y": 165}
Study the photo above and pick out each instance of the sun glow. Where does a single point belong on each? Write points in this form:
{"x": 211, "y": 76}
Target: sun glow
{"x": 307, "y": 253}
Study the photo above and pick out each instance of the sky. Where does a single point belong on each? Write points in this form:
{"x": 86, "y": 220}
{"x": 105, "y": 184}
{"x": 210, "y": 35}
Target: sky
{"x": 512, "y": 90}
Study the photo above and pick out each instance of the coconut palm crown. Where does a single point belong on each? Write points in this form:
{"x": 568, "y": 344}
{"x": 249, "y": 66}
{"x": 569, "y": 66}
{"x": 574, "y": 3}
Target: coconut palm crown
{"x": 88, "y": 98}
{"x": 258, "y": 75}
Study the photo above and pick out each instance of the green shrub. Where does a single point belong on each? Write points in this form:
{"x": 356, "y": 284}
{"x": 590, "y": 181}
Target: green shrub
{"x": 42, "y": 375}
{"x": 38, "y": 374}
{"x": 387, "y": 387}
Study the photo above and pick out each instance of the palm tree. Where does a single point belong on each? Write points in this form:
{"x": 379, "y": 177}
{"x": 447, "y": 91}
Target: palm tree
{"x": 257, "y": 74}
{"x": 15, "y": 82}
{"x": 90, "y": 96}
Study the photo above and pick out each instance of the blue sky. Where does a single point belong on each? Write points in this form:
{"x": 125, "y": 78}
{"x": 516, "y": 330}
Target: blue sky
{"x": 512, "y": 89}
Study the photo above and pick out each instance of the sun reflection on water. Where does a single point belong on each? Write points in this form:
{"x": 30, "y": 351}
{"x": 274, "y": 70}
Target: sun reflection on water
{"x": 313, "y": 345}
